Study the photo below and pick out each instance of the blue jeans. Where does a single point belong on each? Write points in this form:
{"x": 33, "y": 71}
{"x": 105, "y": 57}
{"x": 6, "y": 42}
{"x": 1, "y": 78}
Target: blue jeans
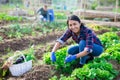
{"x": 97, "y": 50}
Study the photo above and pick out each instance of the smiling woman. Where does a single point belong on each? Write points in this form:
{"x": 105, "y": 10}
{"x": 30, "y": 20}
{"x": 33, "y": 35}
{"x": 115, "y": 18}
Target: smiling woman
{"x": 74, "y": 26}
{"x": 88, "y": 44}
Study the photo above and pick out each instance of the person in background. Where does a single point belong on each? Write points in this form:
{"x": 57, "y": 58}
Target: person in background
{"x": 43, "y": 12}
{"x": 88, "y": 44}
{"x": 27, "y": 3}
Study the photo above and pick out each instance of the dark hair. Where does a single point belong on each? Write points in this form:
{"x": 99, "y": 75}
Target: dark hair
{"x": 45, "y": 5}
{"x": 75, "y": 18}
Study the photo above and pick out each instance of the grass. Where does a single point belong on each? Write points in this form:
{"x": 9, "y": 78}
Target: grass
{"x": 114, "y": 10}
{"x": 10, "y": 6}
{"x": 5, "y": 8}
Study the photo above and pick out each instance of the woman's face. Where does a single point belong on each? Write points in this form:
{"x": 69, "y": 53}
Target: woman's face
{"x": 74, "y": 26}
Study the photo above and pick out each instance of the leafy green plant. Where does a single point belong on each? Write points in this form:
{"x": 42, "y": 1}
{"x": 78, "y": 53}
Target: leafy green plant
{"x": 62, "y": 77}
{"x": 59, "y": 15}
{"x": 8, "y": 18}
{"x": 3, "y": 72}
{"x": 109, "y": 39}
{"x": 59, "y": 64}
{"x": 17, "y": 31}
{"x": 114, "y": 52}
{"x": 30, "y": 54}
{"x": 54, "y": 78}
{"x": 94, "y": 5}
{"x": 1, "y": 38}
{"x": 26, "y": 30}
{"x": 102, "y": 70}
{"x": 99, "y": 69}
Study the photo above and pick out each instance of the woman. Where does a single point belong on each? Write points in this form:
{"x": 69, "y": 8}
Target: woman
{"x": 88, "y": 44}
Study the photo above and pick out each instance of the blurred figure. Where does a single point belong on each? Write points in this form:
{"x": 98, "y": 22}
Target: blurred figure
{"x": 27, "y": 3}
{"x": 43, "y": 13}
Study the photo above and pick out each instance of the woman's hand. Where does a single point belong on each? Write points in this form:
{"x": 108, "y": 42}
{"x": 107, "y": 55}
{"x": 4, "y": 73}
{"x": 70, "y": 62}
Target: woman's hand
{"x": 53, "y": 57}
{"x": 70, "y": 58}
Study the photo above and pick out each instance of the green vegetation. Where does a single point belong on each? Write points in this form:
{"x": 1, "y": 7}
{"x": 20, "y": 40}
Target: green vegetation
{"x": 60, "y": 15}
{"x": 7, "y": 18}
{"x": 114, "y": 10}
{"x": 109, "y": 39}
{"x": 29, "y": 54}
{"x": 17, "y": 31}
{"x": 98, "y": 69}
{"x": 94, "y": 5}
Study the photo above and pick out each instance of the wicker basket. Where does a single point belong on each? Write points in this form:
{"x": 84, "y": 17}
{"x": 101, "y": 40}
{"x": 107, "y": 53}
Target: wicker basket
{"x": 21, "y": 68}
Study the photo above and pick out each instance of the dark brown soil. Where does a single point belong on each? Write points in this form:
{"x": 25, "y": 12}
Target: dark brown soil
{"x": 3, "y": 35}
{"x": 38, "y": 72}
{"x": 23, "y": 43}
{"x": 102, "y": 31}
{"x": 116, "y": 66}
{"x": 118, "y": 77}
{"x": 41, "y": 72}
{"x": 118, "y": 33}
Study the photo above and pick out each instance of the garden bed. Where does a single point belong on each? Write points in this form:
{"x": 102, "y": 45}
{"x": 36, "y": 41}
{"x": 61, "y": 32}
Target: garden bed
{"x": 47, "y": 40}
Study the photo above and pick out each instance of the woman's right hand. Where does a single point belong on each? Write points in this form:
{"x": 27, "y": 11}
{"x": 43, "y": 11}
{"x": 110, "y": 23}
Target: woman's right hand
{"x": 53, "y": 57}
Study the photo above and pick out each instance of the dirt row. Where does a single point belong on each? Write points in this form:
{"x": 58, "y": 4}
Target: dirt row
{"x": 26, "y": 42}
{"x": 23, "y": 43}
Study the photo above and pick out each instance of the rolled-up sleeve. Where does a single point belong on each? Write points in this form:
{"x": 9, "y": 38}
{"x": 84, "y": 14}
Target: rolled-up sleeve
{"x": 65, "y": 37}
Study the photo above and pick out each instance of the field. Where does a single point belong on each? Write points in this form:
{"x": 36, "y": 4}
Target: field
{"x": 29, "y": 35}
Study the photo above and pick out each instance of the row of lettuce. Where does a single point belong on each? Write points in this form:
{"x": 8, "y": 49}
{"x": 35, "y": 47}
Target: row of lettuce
{"x": 18, "y": 31}
{"x": 98, "y": 69}
{"x": 8, "y": 18}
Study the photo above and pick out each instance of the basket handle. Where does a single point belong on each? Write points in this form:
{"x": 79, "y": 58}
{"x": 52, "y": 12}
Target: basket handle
{"x": 20, "y": 53}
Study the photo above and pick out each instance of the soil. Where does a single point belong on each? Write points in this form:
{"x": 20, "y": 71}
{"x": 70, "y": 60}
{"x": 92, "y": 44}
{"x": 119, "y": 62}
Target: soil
{"x": 116, "y": 66}
{"x": 102, "y": 31}
{"x": 23, "y": 43}
{"x": 38, "y": 72}
{"x": 118, "y": 77}
{"x": 118, "y": 33}
{"x": 41, "y": 72}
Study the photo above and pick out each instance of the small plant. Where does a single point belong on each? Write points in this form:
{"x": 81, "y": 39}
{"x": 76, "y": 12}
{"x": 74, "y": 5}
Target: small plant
{"x": 16, "y": 31}
{"x": 94, "y": 5}
{"x": 59, "y": 64}
{"x": 102, "y": 70}
{"x": 1, "y": 38}
{"x": 109, "y": 39}
{"x": 8, "y": 18}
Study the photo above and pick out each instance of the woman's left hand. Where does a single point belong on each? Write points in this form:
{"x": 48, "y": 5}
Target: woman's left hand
{"x": 70, "y": 58}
